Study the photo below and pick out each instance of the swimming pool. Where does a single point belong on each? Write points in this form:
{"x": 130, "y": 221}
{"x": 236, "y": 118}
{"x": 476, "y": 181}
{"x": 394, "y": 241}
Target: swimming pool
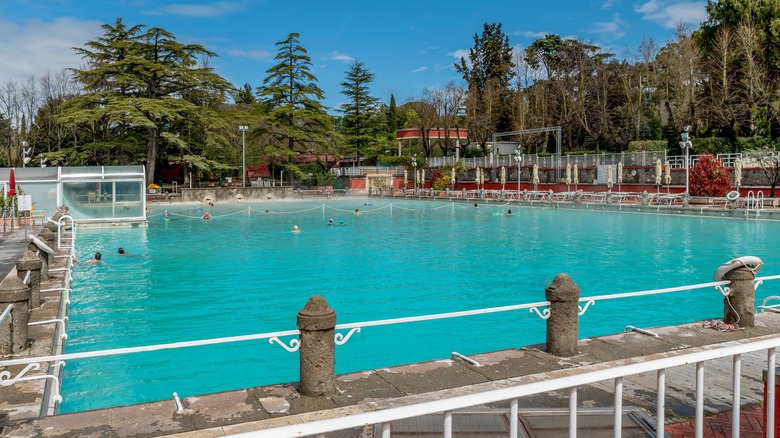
{"x": 190, "y": 279}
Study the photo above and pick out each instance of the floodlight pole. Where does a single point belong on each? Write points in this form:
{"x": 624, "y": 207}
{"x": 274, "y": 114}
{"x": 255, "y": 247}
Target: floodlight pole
{"x": 686, "y": 144}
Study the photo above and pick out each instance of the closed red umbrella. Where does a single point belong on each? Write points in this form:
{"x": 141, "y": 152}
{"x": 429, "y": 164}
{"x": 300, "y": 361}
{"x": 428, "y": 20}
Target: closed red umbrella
{"x": 12, "y": 184}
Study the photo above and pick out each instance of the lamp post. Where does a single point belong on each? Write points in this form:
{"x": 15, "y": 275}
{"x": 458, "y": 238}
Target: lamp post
{"x": 243, "y": 129}
{"x": 519, "y": 160}
{"x": 686, "y": 144}
{"x": 25, "y": 153}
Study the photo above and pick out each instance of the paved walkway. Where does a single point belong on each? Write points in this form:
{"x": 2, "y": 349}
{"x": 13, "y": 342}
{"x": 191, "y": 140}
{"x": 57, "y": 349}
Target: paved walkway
{"x": 751, "y": 425}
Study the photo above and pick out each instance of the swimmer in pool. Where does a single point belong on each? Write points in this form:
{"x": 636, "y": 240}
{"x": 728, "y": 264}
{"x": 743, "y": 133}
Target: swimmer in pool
{"x": 97, "y": 258}
{"x": 295, "y": 230}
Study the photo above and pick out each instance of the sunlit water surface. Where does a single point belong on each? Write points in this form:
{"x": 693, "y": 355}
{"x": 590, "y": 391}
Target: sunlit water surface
{"x": 190, "y": 279}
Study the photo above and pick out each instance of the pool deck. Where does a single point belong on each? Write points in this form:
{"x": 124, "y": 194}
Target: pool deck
{"x": 259, "y": 408}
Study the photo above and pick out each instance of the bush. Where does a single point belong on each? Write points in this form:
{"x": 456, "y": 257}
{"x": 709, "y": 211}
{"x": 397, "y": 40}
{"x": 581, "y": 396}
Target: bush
{"x": 709, "y": 177}
{"x": 439, "y": 181}
{"x": 647, "y": 145}
{"x": 711, "y": 145}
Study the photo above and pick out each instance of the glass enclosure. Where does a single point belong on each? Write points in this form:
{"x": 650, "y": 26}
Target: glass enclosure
{"x": 92, "y": 194}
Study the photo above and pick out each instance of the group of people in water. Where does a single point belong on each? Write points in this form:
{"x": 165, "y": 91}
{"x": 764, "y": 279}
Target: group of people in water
{"x": 99, "y": 256}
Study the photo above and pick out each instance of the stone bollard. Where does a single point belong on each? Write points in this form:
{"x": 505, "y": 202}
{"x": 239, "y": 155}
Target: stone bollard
{"x": 32, "y": 264}
{"x": 316, "y": 322}
{"x": 49, "y": 238}
{"x": 645, "y": 198}
{"x": 14, "y": 292}
{"x": 686, "y": 199}
{"x": 738, "y": 306}
{"x": 609, "y": 196}
{"x": 525, "y": 194}
{"x": 562, "y": 325}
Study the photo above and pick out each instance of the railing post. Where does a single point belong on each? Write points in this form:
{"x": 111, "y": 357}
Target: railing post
{"x": 32, "y": 264}
{"x": 13, "y": 291}
{"x": 316, "y": 322}
{"x": 739, "y": 304}
{"x": 562, "y": 325}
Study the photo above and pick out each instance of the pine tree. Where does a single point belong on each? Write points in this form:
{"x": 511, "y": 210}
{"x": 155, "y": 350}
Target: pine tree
{"x": 359, "y": 122}
{"x": 300, "y": 123}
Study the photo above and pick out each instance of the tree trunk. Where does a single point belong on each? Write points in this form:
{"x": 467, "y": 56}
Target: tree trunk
{"x": 151, "y": 155}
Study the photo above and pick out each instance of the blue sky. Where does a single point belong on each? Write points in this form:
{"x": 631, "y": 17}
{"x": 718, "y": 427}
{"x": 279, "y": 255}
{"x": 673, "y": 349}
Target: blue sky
{"x": 408, "y": 45}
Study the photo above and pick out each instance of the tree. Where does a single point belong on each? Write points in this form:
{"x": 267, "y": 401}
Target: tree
{"x": 244, "y": 95}
{"x": 769, "y": 161}
{"x": 297, "y": 117}
{"x": 136, "y": 80}
{"x": 359, "y": 122}
{"x": 488, "y": 72}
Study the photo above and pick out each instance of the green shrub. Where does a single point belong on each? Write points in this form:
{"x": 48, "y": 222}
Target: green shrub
{"x": 647, "y": 145}
{"x": 711, "y": 145}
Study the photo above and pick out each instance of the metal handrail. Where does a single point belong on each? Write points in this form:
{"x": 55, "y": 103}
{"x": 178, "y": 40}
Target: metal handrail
{"x": 273, "y": 337}
{"x": 561, "y": 380}
{"x": 6, "y": 313}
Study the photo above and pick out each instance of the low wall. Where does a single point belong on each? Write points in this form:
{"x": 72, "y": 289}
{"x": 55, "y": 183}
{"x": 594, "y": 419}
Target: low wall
{"x": 227, "y": 194}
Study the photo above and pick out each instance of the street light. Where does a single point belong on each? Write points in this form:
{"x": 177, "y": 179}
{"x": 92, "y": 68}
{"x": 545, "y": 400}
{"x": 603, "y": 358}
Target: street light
{"x": 243, "y": 129}
{"x": 25, "y": 153}
{"x": 686, "y": 144}
{"x": 519, "y": 160}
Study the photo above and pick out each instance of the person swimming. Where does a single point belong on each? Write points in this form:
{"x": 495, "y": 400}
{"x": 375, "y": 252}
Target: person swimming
{"x": 295, "y": 229}
{"x": 508, "y": 213}
{"x": 330, "y": 222}
{"x": 357, "y": 212}
{"x": 121, "y": 250}
{"x": 206, "y": 216}
{"x": 167, "y": 215}
{"x": 97, "y": 258}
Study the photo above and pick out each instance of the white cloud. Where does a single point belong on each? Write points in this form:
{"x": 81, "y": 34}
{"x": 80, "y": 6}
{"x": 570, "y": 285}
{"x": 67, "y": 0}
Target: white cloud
{"x": 194, "y": 10}
{"x": 420, "y": 69}
{"x": 608, "y": 4}
{"x": 36, "y": 47}
{"x": 251, "y": 54}
{"x": 338, "y": 56}
{"x": 611, "y": 30}
{"x": 531, "y": 34}
{"x": 669, "y": 13}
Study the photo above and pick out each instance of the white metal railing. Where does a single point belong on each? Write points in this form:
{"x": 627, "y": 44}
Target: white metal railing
{"x": 340, "y": 338}
{"x": 6, "y": 313}
{"x": 60, "y": 225}
{"x": 570, "y": 380}
{"x": 551, "y": 161}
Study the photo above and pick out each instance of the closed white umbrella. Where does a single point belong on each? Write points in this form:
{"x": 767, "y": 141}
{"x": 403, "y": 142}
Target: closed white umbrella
{"x": 668, "y": 176}
{"x": 610, "y": 183}
{"x": 658, "y": 172}
{"x": 452, "y": 176}
{"x": 568, "y": 174}
{"x": 536, "y": 174}
{"x": 576, "y": 174}
{"x": 738, "y": 172}
{"x": 620, "y": 173}
{"x": 503, "y": 177}
{"x": 406, "y": 178}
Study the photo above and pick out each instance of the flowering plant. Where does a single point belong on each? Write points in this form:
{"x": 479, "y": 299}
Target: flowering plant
{"x": 439, "y": 181}
{"x": 709, "y": 177}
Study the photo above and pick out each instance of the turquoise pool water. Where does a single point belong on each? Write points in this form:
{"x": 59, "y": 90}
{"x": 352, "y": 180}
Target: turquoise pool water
{"x": 190, "y": 279}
